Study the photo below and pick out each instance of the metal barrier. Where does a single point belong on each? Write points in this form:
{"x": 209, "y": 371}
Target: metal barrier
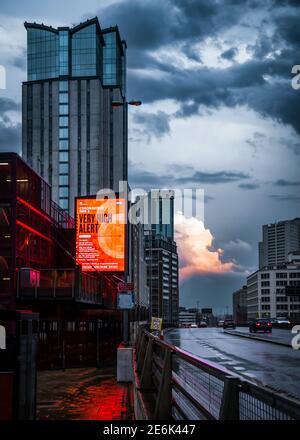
{"x": 173, "y": 384}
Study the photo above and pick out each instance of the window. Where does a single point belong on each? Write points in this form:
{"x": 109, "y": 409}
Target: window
{"x": 63, "y": 109}
{"x": 86, "y": 52}
{"x": 64, "y": 203}
{"x": 63, "y": 133}
{"x": 63, "y": 180}
{"x": 63, "y": 98}
{"x": 63, "y": 121}
{"x": 63, "y": 86}
{"x": 63, "y": 168}
{"x": 281, "y": 283}
{"x": 63, "y": 52}
{"x": 265, "y": 283}
{"x": 281, "y": 275}
{"x": 63, "y": 191}
{"x": 63, "y": 144}
{"x": 64, "y": 156}
{"x": 43, "y": 54}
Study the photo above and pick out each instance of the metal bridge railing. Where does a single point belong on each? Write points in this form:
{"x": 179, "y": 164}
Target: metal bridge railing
{"x": 174, "y": 384}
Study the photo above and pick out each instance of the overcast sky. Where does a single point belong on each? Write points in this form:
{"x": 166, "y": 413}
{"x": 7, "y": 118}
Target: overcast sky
{"x": 218, "y": 113}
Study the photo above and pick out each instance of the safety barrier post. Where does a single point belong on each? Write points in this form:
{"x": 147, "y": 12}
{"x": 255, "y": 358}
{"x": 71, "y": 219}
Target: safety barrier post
{"x": 230, "y": 401}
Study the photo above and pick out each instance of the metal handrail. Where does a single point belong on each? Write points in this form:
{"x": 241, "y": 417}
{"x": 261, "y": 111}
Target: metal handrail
{"x": 180, "y": 385}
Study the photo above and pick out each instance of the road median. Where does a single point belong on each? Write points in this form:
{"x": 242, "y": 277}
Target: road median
{"x": 256, "y": 337}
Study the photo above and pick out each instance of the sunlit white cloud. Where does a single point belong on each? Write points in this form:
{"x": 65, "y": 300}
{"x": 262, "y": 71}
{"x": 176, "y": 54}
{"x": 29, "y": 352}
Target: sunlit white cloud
{"x": 195, "y": 248}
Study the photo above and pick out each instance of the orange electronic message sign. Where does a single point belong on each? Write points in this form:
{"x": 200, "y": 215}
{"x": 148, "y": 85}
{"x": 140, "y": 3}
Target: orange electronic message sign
{"x": 100, "y": 234}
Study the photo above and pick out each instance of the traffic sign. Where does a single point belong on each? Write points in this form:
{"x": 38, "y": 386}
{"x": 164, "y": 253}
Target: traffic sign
{"x": 156, "y": 324}
{"x": 125, "y": 300}
{"x": 125, "y": 287}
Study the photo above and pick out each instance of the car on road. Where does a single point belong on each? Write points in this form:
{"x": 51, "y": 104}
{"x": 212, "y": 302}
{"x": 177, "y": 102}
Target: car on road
{"x": 260, "y": 325}
{"x": 193, "y": 326}
{"x": 282, "y": 320}
{"x": 229, "y": 323}
{"x": 220, "y": 323}
{"x": 203, "y": 324}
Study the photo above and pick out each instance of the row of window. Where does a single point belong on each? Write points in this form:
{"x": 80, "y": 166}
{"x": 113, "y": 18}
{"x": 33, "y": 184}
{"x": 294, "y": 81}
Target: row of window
{"x": 280, "y": 283}
{"x": 63, "y": 190}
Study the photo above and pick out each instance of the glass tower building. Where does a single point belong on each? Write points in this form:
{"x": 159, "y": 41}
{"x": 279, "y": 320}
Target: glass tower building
{"x": 72, "y": 135}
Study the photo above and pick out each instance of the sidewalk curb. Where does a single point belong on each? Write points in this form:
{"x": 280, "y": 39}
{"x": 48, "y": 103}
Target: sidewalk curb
{"x": 243, "y": 335}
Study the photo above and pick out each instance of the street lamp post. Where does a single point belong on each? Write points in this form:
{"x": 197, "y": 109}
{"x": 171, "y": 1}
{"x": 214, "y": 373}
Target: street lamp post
{"x": 135, "y": 103}
{"x": 117, "y": 104}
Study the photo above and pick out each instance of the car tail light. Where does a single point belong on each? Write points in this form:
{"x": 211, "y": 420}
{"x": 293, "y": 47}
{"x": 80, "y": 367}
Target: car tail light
{"x": 269, "y": 324}
{"x": 258, "y": 324}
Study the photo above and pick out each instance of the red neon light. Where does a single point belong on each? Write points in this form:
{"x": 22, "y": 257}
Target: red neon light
{"x": 5, "y": 216}
{"x": 32, "y": 230}
{"x": 32, "y": 208}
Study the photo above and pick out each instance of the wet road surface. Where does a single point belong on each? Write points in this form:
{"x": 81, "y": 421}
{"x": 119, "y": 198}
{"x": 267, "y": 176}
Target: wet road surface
{"x": 262, "y": 362}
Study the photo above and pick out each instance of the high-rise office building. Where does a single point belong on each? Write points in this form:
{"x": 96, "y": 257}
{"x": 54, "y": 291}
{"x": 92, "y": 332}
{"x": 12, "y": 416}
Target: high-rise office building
{"x": 162, "y": 258}
{"x": 72, "y": 134}
{"x": 279, "y": 239}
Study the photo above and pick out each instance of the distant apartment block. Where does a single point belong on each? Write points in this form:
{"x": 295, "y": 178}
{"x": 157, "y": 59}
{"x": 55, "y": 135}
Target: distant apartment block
{"x": 278, "y": 240}
{"x": 273, "y": 290}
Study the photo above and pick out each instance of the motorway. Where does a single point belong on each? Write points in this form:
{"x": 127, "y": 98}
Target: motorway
{"x": 261, "y": 362}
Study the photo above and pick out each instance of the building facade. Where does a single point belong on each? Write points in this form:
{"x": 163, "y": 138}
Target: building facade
{"x": 38, "y": 272}
{"x": 139, "y": 266}
{"x": 278, "y": 240}
{"x": 273, "y": 291}
{"x": 186, "y": 318}
{"x": 161, "y": 255}
{"x": 162, "y": 276}
{"x": 239, "y": 302}
{"x": 72, "y": 135}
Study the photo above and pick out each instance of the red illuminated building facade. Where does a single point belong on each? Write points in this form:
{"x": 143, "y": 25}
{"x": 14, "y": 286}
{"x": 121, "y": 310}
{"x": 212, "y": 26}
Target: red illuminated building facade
{"x": 38, "y": 272}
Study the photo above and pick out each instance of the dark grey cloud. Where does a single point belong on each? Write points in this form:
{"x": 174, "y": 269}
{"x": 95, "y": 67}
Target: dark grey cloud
{"x": 10, "y": 133}
{"x": 20, "y": 60}
{"x": 213, "y": 178}
{"x": 285, "y": 197}
{"x": 230, "y": 54}
{"x": 151, "y": 25}
{"x": 156, "y": 124}
{"x": 157, "y": 23}
{"x": 283, "y": 182}
{"x": 147, "y": 179}
{"x": 7, "y": 104}
{"x": 249, "y": 186}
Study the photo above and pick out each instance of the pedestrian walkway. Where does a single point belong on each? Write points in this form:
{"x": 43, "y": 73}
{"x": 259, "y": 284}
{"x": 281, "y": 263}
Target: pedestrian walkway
{"x": 83, "y": 394}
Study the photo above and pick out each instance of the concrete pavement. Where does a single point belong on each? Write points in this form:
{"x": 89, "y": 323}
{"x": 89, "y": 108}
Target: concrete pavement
{"x": 83, "y": 393}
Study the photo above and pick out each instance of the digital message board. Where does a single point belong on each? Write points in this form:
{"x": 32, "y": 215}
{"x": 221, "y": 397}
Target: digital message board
{"x": 100, "y": 234}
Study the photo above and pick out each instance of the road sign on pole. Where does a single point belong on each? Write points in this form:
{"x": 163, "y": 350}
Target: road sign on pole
{"x": 156, "y": 324}
{"x": 125, "y": 287}
{"x": 125, "y": 300}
